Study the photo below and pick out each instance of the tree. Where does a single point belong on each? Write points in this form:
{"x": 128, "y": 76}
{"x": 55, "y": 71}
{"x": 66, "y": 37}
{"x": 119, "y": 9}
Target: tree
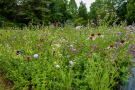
{"x": 82, "y": 11}
{"x": 122, "y": 11}
{"x": 130, "y": 11}
{"x": 73, "y": 7}
{"x": 36, "y": 10}
{"x": 59, "y": 11}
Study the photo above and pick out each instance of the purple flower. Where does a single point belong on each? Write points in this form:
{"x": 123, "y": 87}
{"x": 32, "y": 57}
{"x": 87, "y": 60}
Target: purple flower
{"x": 100, "y": 20}
{"x": 35, "y": 55}
{"x": 68, "y": 55}
{"x": 106, "y": 10}
{"x": 14, "y": 37}
{"x": 85, "y": 33}
{"x": 92, "y": 23}
{"x": 98, "y": 15}
{"x": 117, "y": 82}
{"x": 71, "y": 45}
{"x": 116, "y": 15}
{"x": 74, "y": 49}
{"x": 131, "y": 72}
{"x": 54, "y": 52}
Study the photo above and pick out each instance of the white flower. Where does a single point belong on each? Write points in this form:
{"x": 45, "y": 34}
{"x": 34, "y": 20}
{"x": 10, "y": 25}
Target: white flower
{"x": 57, "y": 45}
{"x": 71, "y": 62}
{"x": 35, "y": 55}
{"x": 71, "y": 45}
{"x": 57, "y": 66}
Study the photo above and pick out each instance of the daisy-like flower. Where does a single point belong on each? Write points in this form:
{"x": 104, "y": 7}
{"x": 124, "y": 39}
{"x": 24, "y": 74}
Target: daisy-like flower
{"x": 111, "y": 45}
{"x": 122, "y": 41}
{"x": 90, "y": 38}
{"x": 99, "y": 34}
{"x": 92, "y": 34}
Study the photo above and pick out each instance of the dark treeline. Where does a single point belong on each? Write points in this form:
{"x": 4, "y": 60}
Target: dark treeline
{"x": 63, "y": 11}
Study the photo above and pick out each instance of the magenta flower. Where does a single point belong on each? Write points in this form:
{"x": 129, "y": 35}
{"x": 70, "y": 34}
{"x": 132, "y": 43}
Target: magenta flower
{"x": 117, "y": 82}
{"x": 131, "y": 72}
{"x": 54, "y": 52}
{"x": 106, "y": 10}
{"x": 28, "y": 58}
{"x": 14, "y": 37}
{"x": 39, "y": 47}
{"x": 92, "y": 23}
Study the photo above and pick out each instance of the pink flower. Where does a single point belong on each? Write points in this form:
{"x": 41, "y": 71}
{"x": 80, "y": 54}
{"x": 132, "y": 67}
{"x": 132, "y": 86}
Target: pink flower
{"x": 117, "y": 82}
{"x": 28, "y": 58}
{"x": 106, "y": 10}
{"x": 54, "y": 52}
{"x": 131, "y": 72}
{"x": 39, "y": 47}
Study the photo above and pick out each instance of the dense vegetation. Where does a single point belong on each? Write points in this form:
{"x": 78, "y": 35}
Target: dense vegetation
{"x": 47, "y": 58}
{"x": 22, "y": 12}
{"x": 41, "y": 55}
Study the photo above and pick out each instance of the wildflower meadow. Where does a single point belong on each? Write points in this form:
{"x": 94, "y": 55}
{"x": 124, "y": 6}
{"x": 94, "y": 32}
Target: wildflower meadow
{"x": 52, "y": 58}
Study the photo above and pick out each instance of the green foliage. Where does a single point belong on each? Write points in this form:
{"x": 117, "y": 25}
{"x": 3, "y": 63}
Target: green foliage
{"x": 130, "y": 11}
{"x": 82, "y": 11}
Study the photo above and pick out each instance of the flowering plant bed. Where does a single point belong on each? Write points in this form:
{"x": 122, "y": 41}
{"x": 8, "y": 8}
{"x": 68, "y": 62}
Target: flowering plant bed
{"x": 66, "y": 58}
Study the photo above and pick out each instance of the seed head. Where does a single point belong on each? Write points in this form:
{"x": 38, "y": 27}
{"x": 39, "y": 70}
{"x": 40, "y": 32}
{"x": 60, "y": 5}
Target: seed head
{"x": 93, "y": 34}
{"x": 122, "y": 41}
